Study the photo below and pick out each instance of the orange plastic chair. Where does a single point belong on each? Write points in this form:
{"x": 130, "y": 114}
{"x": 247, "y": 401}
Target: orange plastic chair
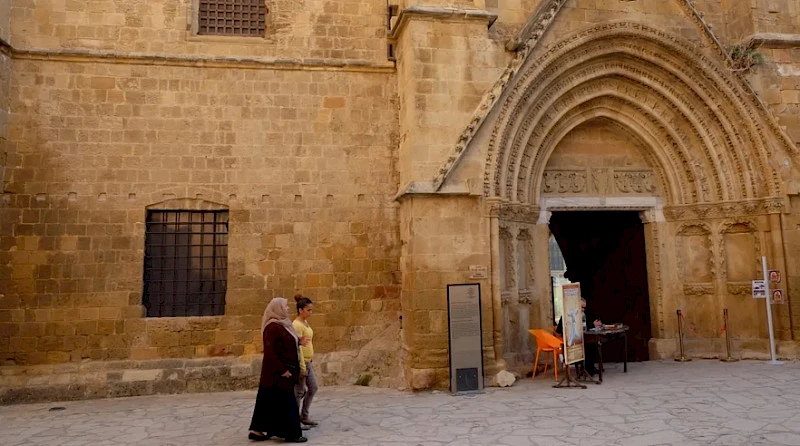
{"x": 546, "y": 342}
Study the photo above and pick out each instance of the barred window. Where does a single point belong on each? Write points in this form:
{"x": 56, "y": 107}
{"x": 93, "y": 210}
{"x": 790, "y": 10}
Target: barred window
{"x": 185, "y": 263}
{"x": 245, "y": 18}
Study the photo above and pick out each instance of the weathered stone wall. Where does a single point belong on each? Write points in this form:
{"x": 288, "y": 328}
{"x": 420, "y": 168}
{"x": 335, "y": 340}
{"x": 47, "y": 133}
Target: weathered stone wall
{"x": 300, "y": 150}
{"x": 444, "y": 67}
{"x": 308, "y": 29}
{"x": 442, "y": 237}
{"x": 5, "y": 81}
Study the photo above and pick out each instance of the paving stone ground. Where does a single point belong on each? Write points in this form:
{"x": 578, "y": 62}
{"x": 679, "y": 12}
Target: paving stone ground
{"x": 655, "y": 403}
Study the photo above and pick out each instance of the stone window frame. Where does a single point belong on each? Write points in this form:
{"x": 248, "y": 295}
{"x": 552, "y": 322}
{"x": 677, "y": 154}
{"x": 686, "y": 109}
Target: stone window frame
{"x": 193, "y": 27}
{"x": 191, "y": 206}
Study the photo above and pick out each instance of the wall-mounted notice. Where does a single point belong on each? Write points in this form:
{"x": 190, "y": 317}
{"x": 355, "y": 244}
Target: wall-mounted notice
{"x": 759, "y": 289}
{"x": 478, "y": 272}
{"x": 464, "y": 322}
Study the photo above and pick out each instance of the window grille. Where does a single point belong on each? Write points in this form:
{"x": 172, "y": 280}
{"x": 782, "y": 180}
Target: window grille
{"x": 245, "y": 18}
{"x": 185, "y": 263}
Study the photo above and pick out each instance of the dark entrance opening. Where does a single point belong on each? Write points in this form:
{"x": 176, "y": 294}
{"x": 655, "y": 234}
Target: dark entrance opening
{"x": 605, "y": 252}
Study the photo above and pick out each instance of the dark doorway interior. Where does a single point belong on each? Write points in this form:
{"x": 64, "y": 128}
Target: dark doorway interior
{"x": 605, "y": 252}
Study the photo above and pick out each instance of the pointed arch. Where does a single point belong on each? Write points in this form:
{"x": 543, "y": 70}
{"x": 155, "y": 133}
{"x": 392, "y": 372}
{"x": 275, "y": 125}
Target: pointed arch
{"x": 709, "y": 142}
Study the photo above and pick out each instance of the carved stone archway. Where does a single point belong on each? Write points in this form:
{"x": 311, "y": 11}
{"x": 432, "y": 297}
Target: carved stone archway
{"x": 712, "y": 147}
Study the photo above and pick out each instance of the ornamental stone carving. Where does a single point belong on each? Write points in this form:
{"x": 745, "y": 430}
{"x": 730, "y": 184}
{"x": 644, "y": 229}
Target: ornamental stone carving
{"x": 565, "y": 181}
{"x": 636, "y": 182}
{"x": 597, "y": 181}
{"x": 725, "y": 210}
{"x": 698, "y": 289}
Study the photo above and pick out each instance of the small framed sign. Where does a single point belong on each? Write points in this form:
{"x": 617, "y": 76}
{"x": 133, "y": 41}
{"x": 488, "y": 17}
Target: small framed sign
{"x": 777, "y": 297}
{"x": 774, "y": 276}
{"x": 478, "y": 272}
{"x": 759, "y": 289}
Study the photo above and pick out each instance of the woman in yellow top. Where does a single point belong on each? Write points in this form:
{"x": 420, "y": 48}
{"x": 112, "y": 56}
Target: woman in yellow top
{"x": 307, "y": 387}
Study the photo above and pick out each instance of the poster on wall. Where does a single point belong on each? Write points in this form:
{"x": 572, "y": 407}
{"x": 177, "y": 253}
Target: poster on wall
{"x": 465, "y": 337}
{"x": 572, "y": 323}
{"x": 777, "y": 297}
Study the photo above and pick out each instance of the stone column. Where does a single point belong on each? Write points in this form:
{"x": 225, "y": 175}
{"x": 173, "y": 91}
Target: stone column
{"x": 497, "y": 306}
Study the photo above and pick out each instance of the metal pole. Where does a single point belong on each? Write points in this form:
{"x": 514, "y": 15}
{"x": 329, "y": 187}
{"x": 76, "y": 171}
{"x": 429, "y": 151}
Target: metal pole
{"x": 683, "y": 357}
{"x": 727, "y": 338}
{"x": 772, "y": 354}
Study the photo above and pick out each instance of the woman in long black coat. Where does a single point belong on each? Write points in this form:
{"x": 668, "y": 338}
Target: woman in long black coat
{"x": 276, "y": 413}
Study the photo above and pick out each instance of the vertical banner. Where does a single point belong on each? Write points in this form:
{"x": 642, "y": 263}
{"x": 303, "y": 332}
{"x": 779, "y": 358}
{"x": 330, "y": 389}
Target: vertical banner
{"x": 572, "y": 323}
{"x": 465, "y": 341}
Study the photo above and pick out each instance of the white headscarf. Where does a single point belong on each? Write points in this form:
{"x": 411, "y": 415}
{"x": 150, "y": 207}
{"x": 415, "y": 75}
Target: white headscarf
{"x": 277, "y": 312}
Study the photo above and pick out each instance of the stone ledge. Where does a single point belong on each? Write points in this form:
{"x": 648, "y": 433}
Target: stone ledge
{"x": 439, "y": 12}
{"x": 29, "y": 384}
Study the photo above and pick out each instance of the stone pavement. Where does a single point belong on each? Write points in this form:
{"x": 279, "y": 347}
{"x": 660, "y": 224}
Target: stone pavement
{"x": 656, "y": 403}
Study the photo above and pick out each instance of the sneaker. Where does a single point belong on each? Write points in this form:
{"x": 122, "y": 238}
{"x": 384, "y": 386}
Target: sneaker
{"x": 309, "y": 422}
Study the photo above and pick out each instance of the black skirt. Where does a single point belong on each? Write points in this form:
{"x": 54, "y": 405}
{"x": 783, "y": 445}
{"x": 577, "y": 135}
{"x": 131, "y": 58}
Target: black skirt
{"x": 276, "y": 413}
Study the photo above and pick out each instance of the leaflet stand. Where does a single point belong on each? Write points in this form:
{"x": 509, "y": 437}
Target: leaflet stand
{"x": 567, "y": 382}
{"x": 584, "y": 376}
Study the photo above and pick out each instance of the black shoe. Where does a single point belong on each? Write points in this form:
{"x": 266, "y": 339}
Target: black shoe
{"x": 296, "y": 440}
{"x": 255, "y": 437}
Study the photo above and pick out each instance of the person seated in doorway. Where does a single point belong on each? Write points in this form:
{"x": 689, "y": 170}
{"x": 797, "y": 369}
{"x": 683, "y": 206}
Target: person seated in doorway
{"x": 591, "y": 352}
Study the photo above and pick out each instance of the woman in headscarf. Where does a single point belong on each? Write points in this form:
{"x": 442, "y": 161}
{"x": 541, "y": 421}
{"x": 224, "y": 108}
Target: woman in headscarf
{"x": 276, "y": 413}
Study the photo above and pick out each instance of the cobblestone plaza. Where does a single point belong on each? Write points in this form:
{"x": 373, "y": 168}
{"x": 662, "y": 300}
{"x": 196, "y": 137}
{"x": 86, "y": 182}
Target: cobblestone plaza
{"x": 655, "y": 403}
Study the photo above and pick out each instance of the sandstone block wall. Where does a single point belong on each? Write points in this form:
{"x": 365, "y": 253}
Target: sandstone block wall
{"x": 303, "y": 160}
{"x": 115, "y": 108}
{"x": 310, "y": 29}
{"x": 5, "y": 79}
{"x": 442, "y": 238}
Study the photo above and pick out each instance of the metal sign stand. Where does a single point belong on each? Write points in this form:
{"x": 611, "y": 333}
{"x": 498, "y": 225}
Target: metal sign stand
{"x": 567, "y": 382}
{"x": 772, "y": 353}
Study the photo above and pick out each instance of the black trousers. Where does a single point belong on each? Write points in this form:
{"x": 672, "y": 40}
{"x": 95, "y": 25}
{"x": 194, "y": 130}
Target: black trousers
{"x": 276, "y": 413}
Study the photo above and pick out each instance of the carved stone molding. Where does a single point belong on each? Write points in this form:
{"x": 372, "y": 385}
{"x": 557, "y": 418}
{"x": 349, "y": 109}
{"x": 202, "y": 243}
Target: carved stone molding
{"x": 694, "y": 229}
{"x": 725, "y": 210}
{"x": 565, "y": 181}
{"x": 505, "y": 298}
{"x": 634, "y": 181}
{"x": 740, "y": 288}
{"x": 516, "y": 212}
{"x": 724, "y": 126}
{"x": 598, "y": 181}
{"x": 525, "y": 297}
{"x": 698, "y": 289}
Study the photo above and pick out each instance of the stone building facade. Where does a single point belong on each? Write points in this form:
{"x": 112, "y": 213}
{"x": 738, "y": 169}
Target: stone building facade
{"x": 367, "y": 154}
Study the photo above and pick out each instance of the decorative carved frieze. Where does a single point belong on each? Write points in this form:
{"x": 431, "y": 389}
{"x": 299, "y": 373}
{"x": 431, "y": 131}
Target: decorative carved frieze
{"x": 725, "y": 210}
{"x": 740, "y": 288}
{"x": 598, "y": 181}
{"x": 634, "y": 181}
{"x": 698, "y": 289}
{"x": 518, "y": 212}
{"x": 565, "y": 181}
